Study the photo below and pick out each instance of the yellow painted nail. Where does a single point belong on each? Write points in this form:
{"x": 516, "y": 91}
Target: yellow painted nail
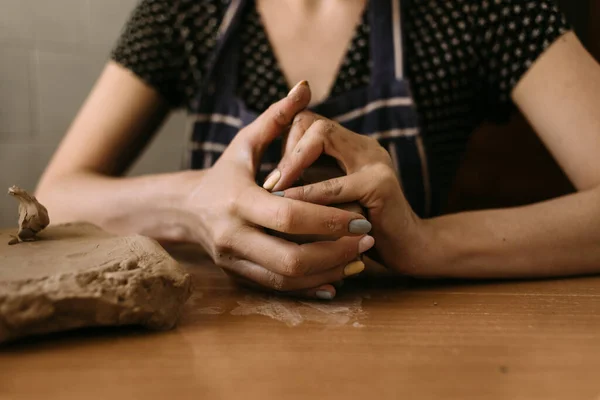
{"x": 272, "y": 180}
{"x": 354, "y": 268}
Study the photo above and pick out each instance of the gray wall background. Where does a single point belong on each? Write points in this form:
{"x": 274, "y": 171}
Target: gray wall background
{"x": 51, "y": 53}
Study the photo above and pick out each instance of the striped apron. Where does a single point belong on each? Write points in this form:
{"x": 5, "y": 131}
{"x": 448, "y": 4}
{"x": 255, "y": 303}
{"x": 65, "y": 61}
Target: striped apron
{"x": 384, "y": 109}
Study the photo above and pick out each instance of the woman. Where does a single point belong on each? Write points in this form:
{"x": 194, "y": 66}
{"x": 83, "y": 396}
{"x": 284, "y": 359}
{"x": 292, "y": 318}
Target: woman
{"x": 395, "y": 91}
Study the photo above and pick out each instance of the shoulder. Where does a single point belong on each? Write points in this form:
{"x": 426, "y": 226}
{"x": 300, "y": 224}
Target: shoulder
{"x": 198, "y": 20}
{"x": 481, "y": 13}
{"x": 166, "y": 42}
{"x": 510, "y": 36}
{"x": 512, "y": 14}
{"x": 177, "y": 11}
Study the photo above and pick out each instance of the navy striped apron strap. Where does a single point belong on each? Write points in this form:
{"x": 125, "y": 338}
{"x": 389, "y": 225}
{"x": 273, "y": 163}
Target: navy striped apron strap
{"x": 221, "y": 73}
{"x": 386, "y": 22}
{"x": 388, "y": 66}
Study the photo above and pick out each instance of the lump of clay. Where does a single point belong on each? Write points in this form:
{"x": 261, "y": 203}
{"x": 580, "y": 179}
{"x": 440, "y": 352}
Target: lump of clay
{"x": 80, "y": 276}
{"x": 33, "y": 217}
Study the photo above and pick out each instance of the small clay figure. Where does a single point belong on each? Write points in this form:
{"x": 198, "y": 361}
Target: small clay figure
{"x": 33, "y": 217}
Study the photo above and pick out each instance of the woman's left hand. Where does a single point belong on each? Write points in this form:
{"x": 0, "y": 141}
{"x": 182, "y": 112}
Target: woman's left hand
{"x": 370, "y": 180}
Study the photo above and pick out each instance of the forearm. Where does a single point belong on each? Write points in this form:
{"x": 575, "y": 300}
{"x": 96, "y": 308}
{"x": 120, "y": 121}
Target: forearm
{"x": 148, "y": 205}
{"x": 560, "y": 237}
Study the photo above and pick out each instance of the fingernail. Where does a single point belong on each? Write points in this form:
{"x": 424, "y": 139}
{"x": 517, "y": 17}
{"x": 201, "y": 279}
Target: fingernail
{"x": 365, "y": 244}
{"x": 324, "y": 295}
{"x": 272, "y": 179}
{"x": 338, "y": 284}
{"x": 295, "y": 89}
{"x": 354, "y": 268}
{"x": 357, "y": 225}
{"x": 280, "y": 194}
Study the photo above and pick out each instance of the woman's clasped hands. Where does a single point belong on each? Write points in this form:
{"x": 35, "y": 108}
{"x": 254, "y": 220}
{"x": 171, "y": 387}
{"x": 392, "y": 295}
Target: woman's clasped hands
{"x": 232, "y": 222}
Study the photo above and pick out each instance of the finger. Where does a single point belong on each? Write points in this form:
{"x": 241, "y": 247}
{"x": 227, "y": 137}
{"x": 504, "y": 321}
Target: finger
{"x": 322, "y": 137}
{"x": 266, "y": 278}
{"x": 300, "y": 125}
{"x": 323, "y": 292}
{"x": 302, "y": 121}
{"x": 298, "y": 260}
{"x": 305, "y": 151}
{"x": 345, "y": 189}
{"x": 256, "y": 137}
{"x": 324, "y": 168}
{"x": 296, "y": 217}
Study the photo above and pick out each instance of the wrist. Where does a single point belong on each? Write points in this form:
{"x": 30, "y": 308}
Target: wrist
{"x": 170, "y": 216}
{"x": 437, "y": 251}
{"x": 188, "y": 200}
{"x": 421, "y": 250}
{"x": 412, "y": 246}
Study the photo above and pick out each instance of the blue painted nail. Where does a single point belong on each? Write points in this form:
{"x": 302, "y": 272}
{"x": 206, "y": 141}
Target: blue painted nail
{"x": 324, "y": 295}
{"x": 280, "y": 194}
{"x": 359, "y": 226}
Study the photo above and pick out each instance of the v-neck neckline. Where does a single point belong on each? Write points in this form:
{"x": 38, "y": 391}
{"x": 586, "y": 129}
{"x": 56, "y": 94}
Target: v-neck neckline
{"x": 331, "y": 91}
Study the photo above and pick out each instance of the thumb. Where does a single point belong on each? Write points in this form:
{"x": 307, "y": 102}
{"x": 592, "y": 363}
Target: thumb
{"x": 254, "y": 139}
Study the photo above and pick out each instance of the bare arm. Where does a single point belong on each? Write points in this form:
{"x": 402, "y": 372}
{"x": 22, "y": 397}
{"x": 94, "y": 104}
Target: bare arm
{"x": 81, "y": 182}
{"x": 560, "y": 96}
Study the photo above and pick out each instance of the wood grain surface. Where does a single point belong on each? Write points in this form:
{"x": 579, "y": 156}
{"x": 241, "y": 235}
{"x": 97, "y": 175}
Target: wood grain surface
{"x": 381, "y": 339}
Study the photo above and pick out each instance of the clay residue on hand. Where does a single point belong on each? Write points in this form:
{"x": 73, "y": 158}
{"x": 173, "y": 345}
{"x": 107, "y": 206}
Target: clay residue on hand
{"x": 293, "y": 312}
{"x": 33, "y": 217}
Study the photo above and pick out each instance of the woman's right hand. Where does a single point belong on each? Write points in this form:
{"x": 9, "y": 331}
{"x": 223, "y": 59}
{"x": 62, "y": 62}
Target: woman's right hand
{"x": 230, "y": 213}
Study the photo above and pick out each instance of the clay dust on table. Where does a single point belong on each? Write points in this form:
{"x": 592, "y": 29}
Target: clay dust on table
{"x": 293, "y": 312}
{"x": 195, "y": 306}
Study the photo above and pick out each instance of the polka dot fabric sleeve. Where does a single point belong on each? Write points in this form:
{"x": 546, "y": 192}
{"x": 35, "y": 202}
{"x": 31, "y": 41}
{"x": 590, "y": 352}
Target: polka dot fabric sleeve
{"x": 149, "y": 48}
{"x": 510, "y": 36}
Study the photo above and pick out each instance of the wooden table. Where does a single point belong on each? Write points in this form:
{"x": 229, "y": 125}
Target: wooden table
{"x": 379, "y": 340}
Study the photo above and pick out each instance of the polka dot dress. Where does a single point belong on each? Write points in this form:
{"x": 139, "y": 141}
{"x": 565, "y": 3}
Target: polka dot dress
{"x": 463, "y": 58}
{"x": 261, "y": 81}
